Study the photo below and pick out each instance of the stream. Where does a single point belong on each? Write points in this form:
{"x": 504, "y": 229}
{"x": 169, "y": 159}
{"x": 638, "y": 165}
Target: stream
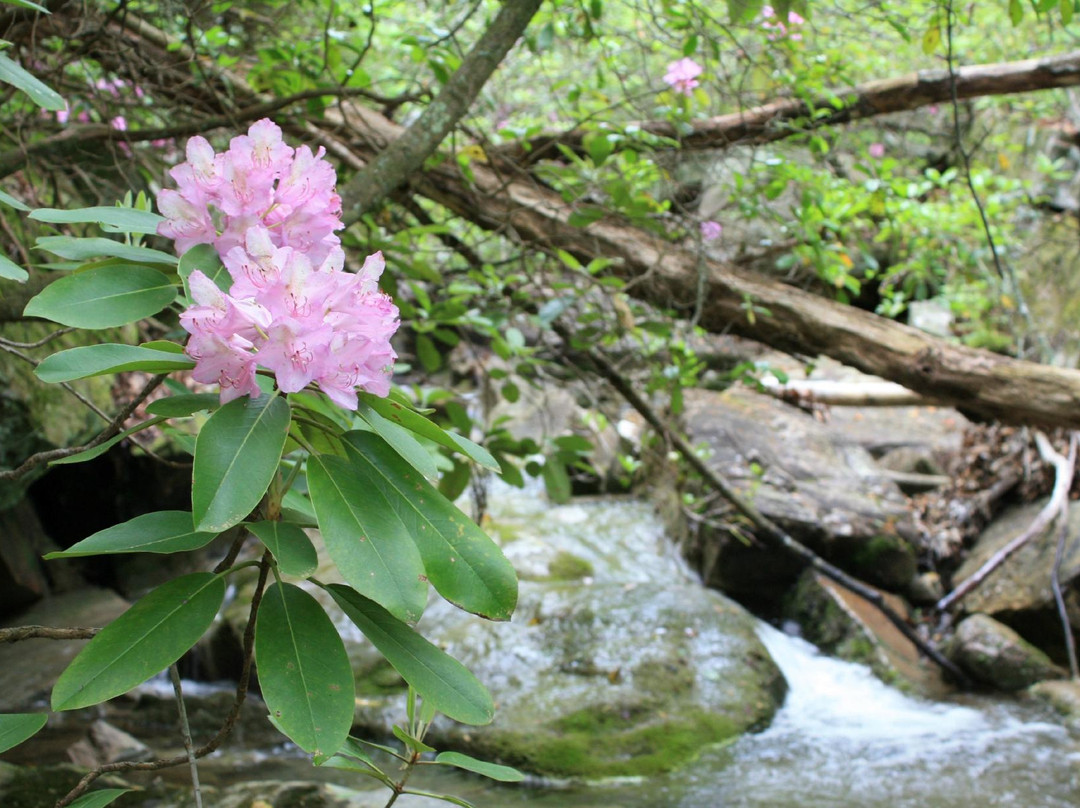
{"x": 842, "y": 739}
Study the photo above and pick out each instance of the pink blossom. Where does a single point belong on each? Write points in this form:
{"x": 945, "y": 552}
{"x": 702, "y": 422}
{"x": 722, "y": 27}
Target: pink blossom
{"x": 682, "y": 76}
{"x": 711, "y": 230}
{"x": 779, "y": 28}
{"x": 876, "y": 150}
{"x": 271, "y": 213}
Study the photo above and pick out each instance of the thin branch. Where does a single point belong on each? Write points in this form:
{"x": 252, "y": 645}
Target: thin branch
{"x": 227, "y": 725}
{"x": 407, "y": 153}
{"x": 114, "y": 427}
{"x": 185, "y": 731}
{"x": 1058, "y": 498}
{"x": 766, "y": 528}
{"x": 19, "y": 633}
{"x": 1055, "y": 574}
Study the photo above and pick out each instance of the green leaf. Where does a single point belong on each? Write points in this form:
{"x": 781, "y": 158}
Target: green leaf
{"x": 17, "y": 727}
{"x": 504, "y": 774}
{"x": 1067, "y": 9}
{"x": 743, "y": 10}
{"x": 556, "y": 481}
{"x": 295, "y": 553}
{"x": 461, "y": 561}
{"x": 103, "y": 297}
{"x": 82, "y": 249}
{"x": 8, "y": 199}
{"x": 124, "y": 220}
{"x": 402, "y": 440}
{"x": 236, "y": 457}
{"x": 429, "y": 355}
{"x": 28, "y": 4}
{"x": 931, "y": 39}
{"x": 141, "y": 642}
{"x": 450, "y": 798}
{"x": 415, "y": 422}
{"x": 40, "y": 93}
{"x": 304, "y": 672}
{"x": 183, "y": 405}
{"x": 97, "y": 360}
{"x": 99, "y": 799}
{"x": 104, "y": 446}
{"x": 160, "y": 532}
{"x": 205, "y": 258}
{"x": 365, "y": 538}
{"x": 12, "y": 271}
{"x": 1016, "y": 11}
{"x": 585, "y": 216}
{"x": 440, "y": 679}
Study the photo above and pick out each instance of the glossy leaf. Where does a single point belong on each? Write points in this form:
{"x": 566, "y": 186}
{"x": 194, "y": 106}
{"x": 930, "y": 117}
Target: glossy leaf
{"x": 304, "y": 672}
{"x": 125, "y": 220}
{"x": 103, "y": 297}
{"x": 141, "y": 642}
{"x": 160, "y": 532}
{"x": 12, "y": 271}
{"x": 366, "y": 540}
{"x": 17, "y": 727}
{"x": 104, "y": 446}
{"x": 205, "y": 258}
{"x": 441, "y": 680}
{"x": 97, "y": 360}
{"x": 295, "y": 553}
{"x": 236, "y": 457}
{"x": 83, "y": 249}
{"x": 504, "y": 774}
{"x": 99, "y": 799}
{"x": 40, "y": 93}
{"x": 415, "y": 422}
{"x": 461, "y": 561}
{"x": 183, "y": 405}
{"x": 402, "y": 440}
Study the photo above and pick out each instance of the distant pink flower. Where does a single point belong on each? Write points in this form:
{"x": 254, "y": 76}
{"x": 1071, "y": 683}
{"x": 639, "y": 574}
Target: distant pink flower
{"x": 271, "y": 212}
{"x": 779, "y": 28}
{"x": 682, "y": 76}
{"x": 711, "y": 230}
{"x": 876, "y": 150}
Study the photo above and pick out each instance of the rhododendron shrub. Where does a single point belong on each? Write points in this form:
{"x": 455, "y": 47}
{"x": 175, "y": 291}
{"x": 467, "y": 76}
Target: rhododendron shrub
{"x": 267, "y": 306}
{"x": 271, "y": 213}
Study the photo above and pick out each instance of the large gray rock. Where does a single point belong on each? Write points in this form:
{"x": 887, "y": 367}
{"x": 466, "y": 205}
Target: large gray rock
{"x": 994, "y": 654}
{"x": 826, "y": 492}
{"x": 1018, "y": 592}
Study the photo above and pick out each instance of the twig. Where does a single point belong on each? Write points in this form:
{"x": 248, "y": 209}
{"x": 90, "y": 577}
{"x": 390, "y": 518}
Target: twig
{"x": 227, "y": 725}
{"x": 1058, "y": 498}
{"x": 45, "y": 633}
{"x": 185, "y": 730}
{"x": 1055, "y": 575}
{"x": 114, "y": 427}
{"x": 766, "y": 528}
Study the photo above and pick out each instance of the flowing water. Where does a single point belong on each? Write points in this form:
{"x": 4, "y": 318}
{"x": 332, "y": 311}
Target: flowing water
{"x": 843, "y": 739}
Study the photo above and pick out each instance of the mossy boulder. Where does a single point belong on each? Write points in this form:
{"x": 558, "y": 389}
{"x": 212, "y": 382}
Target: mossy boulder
{"x": 611, "y": 679}
{"x": 994, "y": 654}
{"x": 847, "y": 626}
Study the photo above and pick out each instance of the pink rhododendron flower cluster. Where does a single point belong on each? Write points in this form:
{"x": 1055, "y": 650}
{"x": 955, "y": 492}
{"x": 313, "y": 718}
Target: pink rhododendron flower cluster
{"x": 779, "y": 27}
{"x": 271, "y": 212}
{"x": 682, "y": 76}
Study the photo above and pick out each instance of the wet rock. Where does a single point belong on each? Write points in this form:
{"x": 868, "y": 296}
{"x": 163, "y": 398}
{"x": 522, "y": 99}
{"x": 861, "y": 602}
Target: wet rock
{"x": 848, "y": 626}
{"x": 825, "y": 492}
{"x": 1018, "y": 593}
{"x": 28, "y": 669}
{"x": 1061, "y": 694}
{"x": 992, "y": 653}
{"x": 105, "y": 743}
